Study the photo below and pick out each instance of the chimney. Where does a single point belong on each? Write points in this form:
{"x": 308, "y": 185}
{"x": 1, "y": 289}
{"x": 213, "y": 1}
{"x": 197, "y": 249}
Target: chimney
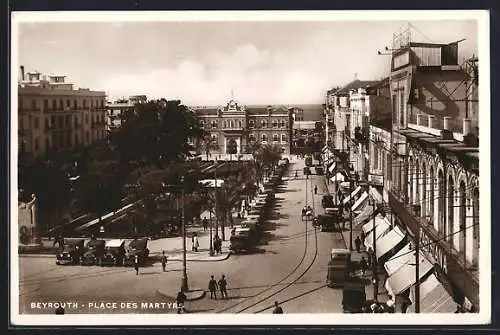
{"x": 22, "y": 72}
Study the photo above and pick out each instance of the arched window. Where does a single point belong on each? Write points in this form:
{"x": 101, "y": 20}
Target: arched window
{"x": 240, "y": 124}
{"x": 251, "y": 138}
{"x": 264, "y": 138}
{"x": 283, "y": 138}
{"x": 462, "y": 217}
{"x": 225, "y": 124}
{"x": 450, "y": 197}
{"x": 275, "y": 138}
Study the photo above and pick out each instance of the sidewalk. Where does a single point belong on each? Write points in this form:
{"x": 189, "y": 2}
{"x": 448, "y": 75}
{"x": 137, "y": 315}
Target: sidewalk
{"x": 356, "y": 256}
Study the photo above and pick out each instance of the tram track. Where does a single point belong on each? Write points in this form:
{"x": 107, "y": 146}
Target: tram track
{"x": 278, "y": 283}
{"x": 282, "y": 281}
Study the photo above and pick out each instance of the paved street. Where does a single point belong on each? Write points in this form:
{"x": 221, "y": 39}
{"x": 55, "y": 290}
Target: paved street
{"x": 289, "y": 266}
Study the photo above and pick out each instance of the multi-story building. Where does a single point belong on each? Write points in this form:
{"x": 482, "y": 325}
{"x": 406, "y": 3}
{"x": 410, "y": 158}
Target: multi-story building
{"x": 348, "y": 111}
{"x": 115, "y": 109}
{"x": 53, "y": 117}
{"x": 433, "y": 188}
{"x": 241, "y": 126}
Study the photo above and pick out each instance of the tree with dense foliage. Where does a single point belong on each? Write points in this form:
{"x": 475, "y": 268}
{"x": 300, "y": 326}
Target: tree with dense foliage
{"x": 101, "y": 189}
{"x": 156, "y": 132}
{"x": 51, "y": 187}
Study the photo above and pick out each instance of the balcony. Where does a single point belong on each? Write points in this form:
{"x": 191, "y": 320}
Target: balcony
{"x": 433, "y": 124}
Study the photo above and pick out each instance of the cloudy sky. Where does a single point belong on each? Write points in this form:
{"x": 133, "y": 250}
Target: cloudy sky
{"x": 201, "y": 62}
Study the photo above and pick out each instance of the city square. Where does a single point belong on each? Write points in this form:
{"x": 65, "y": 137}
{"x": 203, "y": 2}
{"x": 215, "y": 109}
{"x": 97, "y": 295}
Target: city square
{"x": 208, "y": 194}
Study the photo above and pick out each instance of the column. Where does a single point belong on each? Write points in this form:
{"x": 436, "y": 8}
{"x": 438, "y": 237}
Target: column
{"x": 469, "y": 233}
{"x": 446, "y": 122}
{"x": 431, "y": 120}
{"x": 466, "y": 126}
{"x": 456, "y": 218}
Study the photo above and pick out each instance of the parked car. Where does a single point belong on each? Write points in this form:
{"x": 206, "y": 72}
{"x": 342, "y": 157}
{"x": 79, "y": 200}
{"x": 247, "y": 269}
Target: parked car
{"x": 137, "y": 247}
{"x": 241, "y": 240}
{"x": 94, "y": 253}
{"x": 114, "y": 252}
{"x": 353, "y": 297}
{"x": 327, "y": 201}
{"x": 71, "y": 252}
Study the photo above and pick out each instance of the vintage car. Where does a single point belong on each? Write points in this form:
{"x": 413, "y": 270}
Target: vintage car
{"x": 328, "y": 222}
{"x": 353, "y": 297}
{"x": 327, "y": 201}
{"x": 137, "y": 247}
{"x": 339, "y": 267}
{"x": 71, "y": 252}
{"x": 241, "y": 240}
{"x": 94, "y": 252}
{"x": 114, "y": 252}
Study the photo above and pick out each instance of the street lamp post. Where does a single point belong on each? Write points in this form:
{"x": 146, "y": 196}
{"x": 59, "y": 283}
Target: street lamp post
{"x": 184, "y": 284}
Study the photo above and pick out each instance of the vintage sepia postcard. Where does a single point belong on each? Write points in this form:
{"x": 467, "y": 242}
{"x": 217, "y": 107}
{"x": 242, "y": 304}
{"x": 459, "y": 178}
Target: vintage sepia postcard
{"x": 216, "y": 168}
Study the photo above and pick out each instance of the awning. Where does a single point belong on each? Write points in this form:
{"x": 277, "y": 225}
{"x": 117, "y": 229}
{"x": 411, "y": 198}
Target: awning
{"x": 368, "y": 227}
{"x": 212, "y": 182}
{"x": 433, "y": 297}
{"x": 332, "y": 167}
{"x": 365, "y": 214}
{"x": 402, "y": 257}
{"x": 352, "y": 195}
{"x": 404, "y": 278}
{"x": 324, "y": 148}
{"x": 380, "y": 231}
{"x": 360, "y": 201}
{"x": 389, "y": 241}
{"x": 338, "y": 177}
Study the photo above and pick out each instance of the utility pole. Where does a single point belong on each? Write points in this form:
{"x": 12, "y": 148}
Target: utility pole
{"x": 351, "y": 181}
{"x": 184, "y": 285}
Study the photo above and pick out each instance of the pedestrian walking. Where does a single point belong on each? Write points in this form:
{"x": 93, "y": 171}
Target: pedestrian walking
{"x": 315, "y": 189}
{"x": 357, "y": 242}
{"x": 163, "y": 260}
{"x": 222, "y": 286}
{"x": 363, "y": 265}
{"x": 362, "y": 237}
{"x": 196, "y": 243}
{"x": 181, "y": 298}
{"x": 205, "y": 224}
{"x": 212, "y": 287}
{"x": 136, "y": 264}
{"x": 371, "y": 261}
{"x": 277, "y": 308}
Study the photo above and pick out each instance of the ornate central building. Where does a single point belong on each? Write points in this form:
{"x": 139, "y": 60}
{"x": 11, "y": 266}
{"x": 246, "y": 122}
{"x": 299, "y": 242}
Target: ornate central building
{"x": 238, "y": 126}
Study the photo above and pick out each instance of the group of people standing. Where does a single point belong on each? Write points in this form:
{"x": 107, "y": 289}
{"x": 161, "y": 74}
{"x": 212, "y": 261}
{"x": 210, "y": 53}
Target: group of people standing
{"x": 213, "y": 285}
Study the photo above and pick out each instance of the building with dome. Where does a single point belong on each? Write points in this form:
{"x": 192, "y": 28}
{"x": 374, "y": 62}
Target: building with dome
{"x": 234, "y": 125}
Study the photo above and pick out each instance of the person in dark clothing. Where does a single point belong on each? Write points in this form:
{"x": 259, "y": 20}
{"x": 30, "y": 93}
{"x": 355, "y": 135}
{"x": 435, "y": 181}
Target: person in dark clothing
{"x": 205, "y": 224}
{"x": 136, "y": 264}
{"x": 60, "y": 310}
{"x": 357, "y": 242}
{"x": 405, "y": 304}
{"x": 212, "y": 287}
{"x": 181, "y": 298}
{"x": 362, "y": 237}
{"x": 363, "y": 265}
{"x": 222, "y": 286}
{"x": 277, "y": 308}
{"x": 163, "y": 260}
{"x": 315, "y": 189}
